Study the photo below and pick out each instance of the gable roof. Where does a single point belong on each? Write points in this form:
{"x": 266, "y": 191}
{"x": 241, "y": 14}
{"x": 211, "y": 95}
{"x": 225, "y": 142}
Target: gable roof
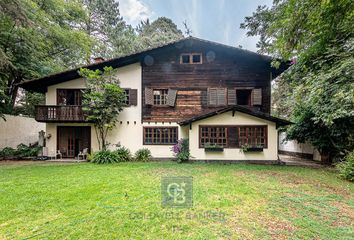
{"x": 279, "y": 122}
{"x": 41, "y": 84}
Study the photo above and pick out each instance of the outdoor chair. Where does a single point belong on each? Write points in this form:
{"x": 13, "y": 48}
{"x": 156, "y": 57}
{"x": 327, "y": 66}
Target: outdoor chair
{"x": 82, "y": 154}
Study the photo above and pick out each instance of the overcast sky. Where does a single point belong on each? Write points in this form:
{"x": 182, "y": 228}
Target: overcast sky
{"x": 216, "y": 20}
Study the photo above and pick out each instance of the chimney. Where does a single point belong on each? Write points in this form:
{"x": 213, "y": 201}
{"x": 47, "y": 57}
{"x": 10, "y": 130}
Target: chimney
{"x": 98, "y": 59}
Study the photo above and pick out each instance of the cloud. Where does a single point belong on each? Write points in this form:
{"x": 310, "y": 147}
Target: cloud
{"x": 133, "y": 11}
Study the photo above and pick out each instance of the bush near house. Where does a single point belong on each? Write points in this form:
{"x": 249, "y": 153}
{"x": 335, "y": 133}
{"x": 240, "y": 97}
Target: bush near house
{"x": 104, "y": 157}
{"x": 181, "y": 150}
{"x": 123, "y": 154}
{"x": 346, "y": 168}
{"x": 143, "y": 155}
{"x": 21, "y": 152}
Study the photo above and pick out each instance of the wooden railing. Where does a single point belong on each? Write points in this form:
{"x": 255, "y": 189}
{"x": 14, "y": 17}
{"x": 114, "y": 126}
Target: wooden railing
{"x": 56, "y": 113}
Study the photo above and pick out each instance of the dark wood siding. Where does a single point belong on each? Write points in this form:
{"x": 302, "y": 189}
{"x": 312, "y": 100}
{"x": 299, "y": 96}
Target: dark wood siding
{"x": 219, "y": 69}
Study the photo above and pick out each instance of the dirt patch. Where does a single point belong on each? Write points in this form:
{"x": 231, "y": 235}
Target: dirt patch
{"x": 346, "y": 215}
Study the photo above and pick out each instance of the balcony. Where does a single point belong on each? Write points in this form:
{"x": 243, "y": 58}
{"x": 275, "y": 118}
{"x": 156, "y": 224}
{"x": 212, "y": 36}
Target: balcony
{"x": 59, "y": 113}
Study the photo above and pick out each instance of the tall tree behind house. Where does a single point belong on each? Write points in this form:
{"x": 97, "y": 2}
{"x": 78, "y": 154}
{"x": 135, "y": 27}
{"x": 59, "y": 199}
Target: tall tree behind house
{"x": 317, "y": 91}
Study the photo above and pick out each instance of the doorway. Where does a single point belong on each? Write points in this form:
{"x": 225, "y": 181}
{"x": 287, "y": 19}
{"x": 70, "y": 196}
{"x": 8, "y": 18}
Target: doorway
{"x": 72, "y": 140}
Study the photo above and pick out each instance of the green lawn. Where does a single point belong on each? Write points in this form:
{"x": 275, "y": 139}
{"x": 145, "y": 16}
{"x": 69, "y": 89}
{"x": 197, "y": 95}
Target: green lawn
{"x": 87, "y": 201}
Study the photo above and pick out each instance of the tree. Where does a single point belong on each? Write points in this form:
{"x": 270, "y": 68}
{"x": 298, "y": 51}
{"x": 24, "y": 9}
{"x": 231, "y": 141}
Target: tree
{"x": 103, "y": 100}
{"x": 317, "y": 91}
{"x": 161, "y": 31}
{"x": 26, "y": 102}
{"x": 38, "y": 37}
{"x": 112, "y": 36}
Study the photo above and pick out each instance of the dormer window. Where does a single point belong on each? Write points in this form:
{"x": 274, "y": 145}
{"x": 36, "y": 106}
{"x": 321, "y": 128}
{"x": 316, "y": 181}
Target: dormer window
{"x": 191, "y": 58}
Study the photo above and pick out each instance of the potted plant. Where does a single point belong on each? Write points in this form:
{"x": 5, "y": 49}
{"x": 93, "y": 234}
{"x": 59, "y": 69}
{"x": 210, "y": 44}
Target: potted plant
{"x": 212, "y": 147}
{"x": 248, "y": 148}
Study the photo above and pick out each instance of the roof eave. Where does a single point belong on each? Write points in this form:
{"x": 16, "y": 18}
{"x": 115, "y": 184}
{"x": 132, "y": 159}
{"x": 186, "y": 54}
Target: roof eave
{"x": 279, "y": 122}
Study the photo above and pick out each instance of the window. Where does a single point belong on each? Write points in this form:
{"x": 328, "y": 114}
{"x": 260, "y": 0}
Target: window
{"x": 253, "y": 136}
{"x": 233, "y": 136}
{"x": 191, "y": 58}
{"x": 69, "y": 97}
{"x": 127, "y": 97}
{"x": 243, "y": 96}
{"x": 185, "y": 58}
{"x": 213, "y": 136}
{"x": 160, "y": 136}
{"x": 196, "y": 58}
{"x": 160, "y": 96}
{"x": 131, "y": 97}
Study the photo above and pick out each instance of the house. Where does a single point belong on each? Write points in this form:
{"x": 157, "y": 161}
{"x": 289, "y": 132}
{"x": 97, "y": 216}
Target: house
{"x": 216, "y": 95}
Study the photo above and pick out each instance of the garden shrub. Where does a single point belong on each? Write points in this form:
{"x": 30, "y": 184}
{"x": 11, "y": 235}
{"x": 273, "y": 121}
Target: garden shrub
{"x": 123, "y": 154}
{"x": 104, "y": 157}
{"x": 7, "y": 152}
{"x": 346, "y": 168}
{"x": 22, "y": 151}
{"x": 181, "y": 150}
{"x": 143, "y": 155}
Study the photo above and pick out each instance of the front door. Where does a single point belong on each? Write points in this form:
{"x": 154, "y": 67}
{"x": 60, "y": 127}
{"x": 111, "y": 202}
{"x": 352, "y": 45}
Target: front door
{"x": 72, "y": 140}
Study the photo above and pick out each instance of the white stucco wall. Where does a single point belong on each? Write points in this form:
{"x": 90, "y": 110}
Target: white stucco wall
{"x": 295, "y": 147}
{"x": 129, "y": 129}
{"x": 17, "y": 129}
{"x": 269, "y": 153}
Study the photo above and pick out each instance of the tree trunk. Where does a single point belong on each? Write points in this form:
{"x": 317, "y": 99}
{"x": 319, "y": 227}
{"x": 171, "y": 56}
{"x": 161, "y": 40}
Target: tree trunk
{"x": 326, "y": 157}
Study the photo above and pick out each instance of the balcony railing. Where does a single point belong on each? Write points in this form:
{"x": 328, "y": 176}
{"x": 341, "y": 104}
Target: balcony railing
{"x": 56, "y": 113}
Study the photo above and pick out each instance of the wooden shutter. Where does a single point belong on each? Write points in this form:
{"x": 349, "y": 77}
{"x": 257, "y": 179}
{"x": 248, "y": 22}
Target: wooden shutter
{"x": 221, "y": 99}
{"x": 171, "y": 97}
{"x": 257, "y": 96}
{"x": 231, "y": 96}
{"x": 212, "y": 96}
{"x": 133, "y": 97}
{"x": 149, "y": 96}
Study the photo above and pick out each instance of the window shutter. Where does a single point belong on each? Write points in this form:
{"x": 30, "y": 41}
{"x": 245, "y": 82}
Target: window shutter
{"x": 149, "y": 96}
{"x": 171, "y": 97}
{"x": 231, "y": 96}
{"x": 221, "y": 99}
{"x": 133, "y": 97}
{"x": 212, "y": 96}
{"x": 257, "y": 96}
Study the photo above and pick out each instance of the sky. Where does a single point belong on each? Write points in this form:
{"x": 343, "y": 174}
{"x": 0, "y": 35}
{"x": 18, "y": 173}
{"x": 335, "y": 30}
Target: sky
{"x": 215, "y": 20}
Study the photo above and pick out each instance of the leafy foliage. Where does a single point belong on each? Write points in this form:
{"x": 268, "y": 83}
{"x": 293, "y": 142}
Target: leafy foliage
{"x": 160, "y": 31}
{"x": 143, "y": 155}
{"x": 7, "y": 152}
{"x": 27, "y": 101}
{"x": 36, "y": 38}
{"x": 346, "y": 168}
{"x": 103, "y": 100}
{"x": 111, "y": 36}
{"x": 104, "y": 157}
{"x": 39, "y": 37}
{"x": 181, "y": 150}
{"x": 317, "y": 91}
{"x": 123, "y": 154}
{"x": 22, "y": 151}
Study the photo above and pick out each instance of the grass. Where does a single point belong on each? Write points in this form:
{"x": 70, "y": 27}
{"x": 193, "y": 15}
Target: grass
{"x": 122, "y": 201}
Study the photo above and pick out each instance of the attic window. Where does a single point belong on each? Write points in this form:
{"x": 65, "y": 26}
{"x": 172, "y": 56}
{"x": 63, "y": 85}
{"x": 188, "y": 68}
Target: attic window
{"x": 191, "y": 58}
{"x": 243, "y": 97}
